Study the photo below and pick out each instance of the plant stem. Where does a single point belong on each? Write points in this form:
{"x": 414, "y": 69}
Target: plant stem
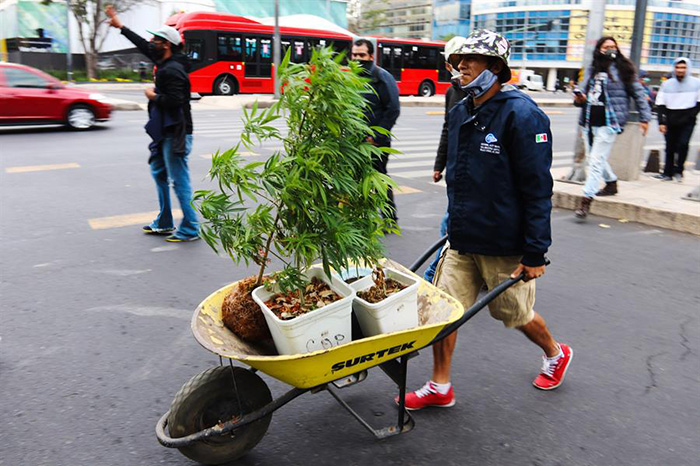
{"x": 268, "y": 245}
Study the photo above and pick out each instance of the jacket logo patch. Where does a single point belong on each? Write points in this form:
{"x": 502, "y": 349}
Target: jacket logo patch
{"x": 490, "y": 148}
{"x": 542, "y": 137}
{"x": 490, "y": 138}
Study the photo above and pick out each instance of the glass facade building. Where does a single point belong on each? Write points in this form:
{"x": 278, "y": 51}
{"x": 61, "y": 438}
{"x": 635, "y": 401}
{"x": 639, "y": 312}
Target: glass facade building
{"x": 451, "y": 18}
{"x": 550, "y": 34}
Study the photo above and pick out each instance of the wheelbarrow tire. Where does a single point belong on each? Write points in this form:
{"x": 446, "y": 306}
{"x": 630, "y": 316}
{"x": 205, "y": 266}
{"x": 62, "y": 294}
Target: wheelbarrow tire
{"x": 209, "y": 398}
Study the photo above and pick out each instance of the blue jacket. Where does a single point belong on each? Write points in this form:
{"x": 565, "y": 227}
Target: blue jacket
{"x": 384, "y": 108}
{"x": 499, "y": 184}
{"x": 619, "y": 95}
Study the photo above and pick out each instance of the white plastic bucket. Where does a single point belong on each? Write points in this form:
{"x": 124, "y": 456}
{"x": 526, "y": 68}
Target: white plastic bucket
{"x": 361, "y": 272}
{"x": 323, "y": 328}
{"x": 397, "y": 312}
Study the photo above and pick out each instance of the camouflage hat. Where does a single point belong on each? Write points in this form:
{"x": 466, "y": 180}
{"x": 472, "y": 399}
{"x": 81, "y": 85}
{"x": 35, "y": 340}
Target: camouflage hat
{"x": 453, "y": 45}
{"x": 490, "y": 44}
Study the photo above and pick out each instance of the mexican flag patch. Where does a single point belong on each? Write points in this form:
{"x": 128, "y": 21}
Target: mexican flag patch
{"x": 542, "y": 137}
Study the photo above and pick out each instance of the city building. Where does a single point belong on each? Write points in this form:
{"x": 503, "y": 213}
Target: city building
{"x": 451, "y": 18}
{"x": 411, "y": 19}
{"x": 36, "y": 34}
{"x": 549, "y": 36}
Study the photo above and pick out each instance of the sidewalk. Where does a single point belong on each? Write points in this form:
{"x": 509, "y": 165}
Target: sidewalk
{"x": 646, "y": 200}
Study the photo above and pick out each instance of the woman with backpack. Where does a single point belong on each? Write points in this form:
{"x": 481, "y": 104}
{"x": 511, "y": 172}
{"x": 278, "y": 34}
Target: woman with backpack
{"x": 607, "y": 87}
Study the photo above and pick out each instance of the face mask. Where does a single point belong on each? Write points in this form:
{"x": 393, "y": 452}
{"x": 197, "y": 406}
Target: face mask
{"x": 611, "y": 54}
{"x": 481, "y": 84}
{"x": 155, "y": 51}
{"x": 366, "y": 65}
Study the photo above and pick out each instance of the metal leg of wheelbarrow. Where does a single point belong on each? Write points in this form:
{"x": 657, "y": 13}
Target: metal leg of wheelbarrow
{"x": 397, "y": 371}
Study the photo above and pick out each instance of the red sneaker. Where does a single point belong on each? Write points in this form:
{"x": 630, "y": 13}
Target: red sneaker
{"x": 428, "y": 396}
{"x": 552, "y": 374}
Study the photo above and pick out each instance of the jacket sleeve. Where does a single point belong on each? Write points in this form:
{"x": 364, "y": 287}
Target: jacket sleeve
{"x": 661, "y": 109}
{"x": 584, "y": 89}
{"x": 138, "y": 41}
{"x": 531, "y": 161}
{"x": 441, "y": 157}
{"x": 390, "y": 103}
{"x": 640, "y": 98}
{"x": 172, "y": 90}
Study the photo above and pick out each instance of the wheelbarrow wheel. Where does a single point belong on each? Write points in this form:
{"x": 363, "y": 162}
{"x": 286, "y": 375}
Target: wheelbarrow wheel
{"x": 209, "y": 398}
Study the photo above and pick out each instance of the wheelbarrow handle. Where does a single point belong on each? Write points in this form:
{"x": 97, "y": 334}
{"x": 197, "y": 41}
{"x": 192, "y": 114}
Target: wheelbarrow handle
{"x": 479, "y": 305}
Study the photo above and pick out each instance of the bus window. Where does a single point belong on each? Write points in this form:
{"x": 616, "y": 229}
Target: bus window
{"x": 193, "y": 49}
{"x": 265, "y": 66}
{"x": 398, "y": 57}
{"x": 230, "y": 47}
{"x": 251, "y": 49}
{"x": 385, "y": 60}
{"x": 298, "y": 51}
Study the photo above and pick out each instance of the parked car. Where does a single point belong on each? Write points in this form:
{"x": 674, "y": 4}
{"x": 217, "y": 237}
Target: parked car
{"x": 29, "y": 96}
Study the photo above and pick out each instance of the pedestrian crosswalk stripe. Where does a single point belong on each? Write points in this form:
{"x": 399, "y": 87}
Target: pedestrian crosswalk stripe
{"x": 395, "y": 165}
{"x": 41, "y": 168}
{"x": 412, "y": 174}
{"x": 127, "y": 220}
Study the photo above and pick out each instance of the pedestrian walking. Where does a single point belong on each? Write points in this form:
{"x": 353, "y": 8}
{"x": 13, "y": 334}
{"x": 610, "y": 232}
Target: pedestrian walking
{"x": 499, "y": 190}
{"x": 677, "y": 106}
{"x": 608, "y": 85}
{"x": 453, "y": 95}
{"x": 383, "y": 109}
{"x": 170, "y": 127}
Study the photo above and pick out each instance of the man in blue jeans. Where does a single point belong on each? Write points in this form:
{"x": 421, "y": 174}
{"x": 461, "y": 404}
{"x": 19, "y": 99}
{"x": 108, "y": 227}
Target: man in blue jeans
{"x": 170, "y": 128}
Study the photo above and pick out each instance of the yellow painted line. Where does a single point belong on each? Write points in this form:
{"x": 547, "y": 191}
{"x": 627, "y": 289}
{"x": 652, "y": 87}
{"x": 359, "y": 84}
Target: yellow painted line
{"x": 406, "y": 190}
{"x": 554, "y": 112}
{"x": 41, "y": 168}
{"x": 118, "y": 221}
{"x": 206, "y": 156}
{"x": 434, "y": 113}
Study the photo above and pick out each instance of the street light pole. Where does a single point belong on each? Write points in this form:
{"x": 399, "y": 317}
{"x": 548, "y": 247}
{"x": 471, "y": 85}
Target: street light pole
{"x": 640, "y": 13}
{"x": 594, "y": 31}
{"x": 276, "y": 42}
{"x": 69, "y": 54}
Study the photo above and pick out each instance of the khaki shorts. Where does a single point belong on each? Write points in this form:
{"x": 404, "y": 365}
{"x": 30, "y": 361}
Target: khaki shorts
{"x": 462, "y": 276}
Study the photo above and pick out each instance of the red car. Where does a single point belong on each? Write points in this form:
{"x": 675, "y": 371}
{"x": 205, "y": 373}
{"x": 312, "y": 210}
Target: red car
{"x": 29, "y": 96}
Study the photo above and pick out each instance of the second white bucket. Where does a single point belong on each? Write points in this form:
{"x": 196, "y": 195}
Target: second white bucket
{"x": 397, "y": 312}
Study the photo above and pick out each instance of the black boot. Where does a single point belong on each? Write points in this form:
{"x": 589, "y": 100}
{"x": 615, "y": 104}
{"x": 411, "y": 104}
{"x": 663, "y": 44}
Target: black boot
{"x": 582, "y": 211}
{"x": 610, "y": 189}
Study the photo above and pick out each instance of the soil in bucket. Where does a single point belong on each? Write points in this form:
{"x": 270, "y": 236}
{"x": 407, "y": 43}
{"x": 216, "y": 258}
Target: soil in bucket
{"x": 317, "y": 294}
{"x": 242, "y": 315}
{"x": 383, "y": 287}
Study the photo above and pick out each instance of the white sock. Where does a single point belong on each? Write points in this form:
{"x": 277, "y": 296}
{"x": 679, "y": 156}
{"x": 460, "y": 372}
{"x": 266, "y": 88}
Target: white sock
{"x": 442, "y": 388}
{"x": 561, "y": 353}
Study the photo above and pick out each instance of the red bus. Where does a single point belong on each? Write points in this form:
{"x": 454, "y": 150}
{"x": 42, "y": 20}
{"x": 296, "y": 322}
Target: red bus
{"x": 417, "y": 65}
{"x": 232, "y": 54}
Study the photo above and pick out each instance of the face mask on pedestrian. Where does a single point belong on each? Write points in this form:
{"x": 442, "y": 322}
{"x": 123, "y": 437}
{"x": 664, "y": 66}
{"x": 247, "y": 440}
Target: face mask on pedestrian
{"x": 366, "y": 65}
{"x": 481, "y": 84}
{"x": 156, "y": 51}
{"x": 610, "y": 53}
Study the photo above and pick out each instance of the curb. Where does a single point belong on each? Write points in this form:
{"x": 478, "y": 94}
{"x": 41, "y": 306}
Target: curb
{"x": 611, "y": 208}
{"x": 126, "y": 105}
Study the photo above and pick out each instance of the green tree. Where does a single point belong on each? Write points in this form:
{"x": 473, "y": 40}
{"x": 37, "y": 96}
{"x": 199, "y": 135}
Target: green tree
{"x": 319, "y": 198}
{"x": 447, "y": 37}
{"x": 92, "y": 29}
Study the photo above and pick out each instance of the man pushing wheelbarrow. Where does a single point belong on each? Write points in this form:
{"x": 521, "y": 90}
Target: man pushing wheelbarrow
{"x": 499, "y": 188}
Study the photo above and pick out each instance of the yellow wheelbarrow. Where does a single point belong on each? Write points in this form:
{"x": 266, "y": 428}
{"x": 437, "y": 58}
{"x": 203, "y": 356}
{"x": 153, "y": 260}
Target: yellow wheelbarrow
{"x": 222, "y": 413}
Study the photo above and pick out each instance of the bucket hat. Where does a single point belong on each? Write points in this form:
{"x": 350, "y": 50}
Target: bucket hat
{"x": 487, "y": 43}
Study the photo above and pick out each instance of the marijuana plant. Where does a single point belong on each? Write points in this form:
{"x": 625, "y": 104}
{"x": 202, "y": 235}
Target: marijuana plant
{"x": 317, "y": 199}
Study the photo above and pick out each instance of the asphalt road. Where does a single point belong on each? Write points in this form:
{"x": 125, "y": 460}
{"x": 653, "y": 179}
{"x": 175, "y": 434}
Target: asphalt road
{"x": 95, "y": 337}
